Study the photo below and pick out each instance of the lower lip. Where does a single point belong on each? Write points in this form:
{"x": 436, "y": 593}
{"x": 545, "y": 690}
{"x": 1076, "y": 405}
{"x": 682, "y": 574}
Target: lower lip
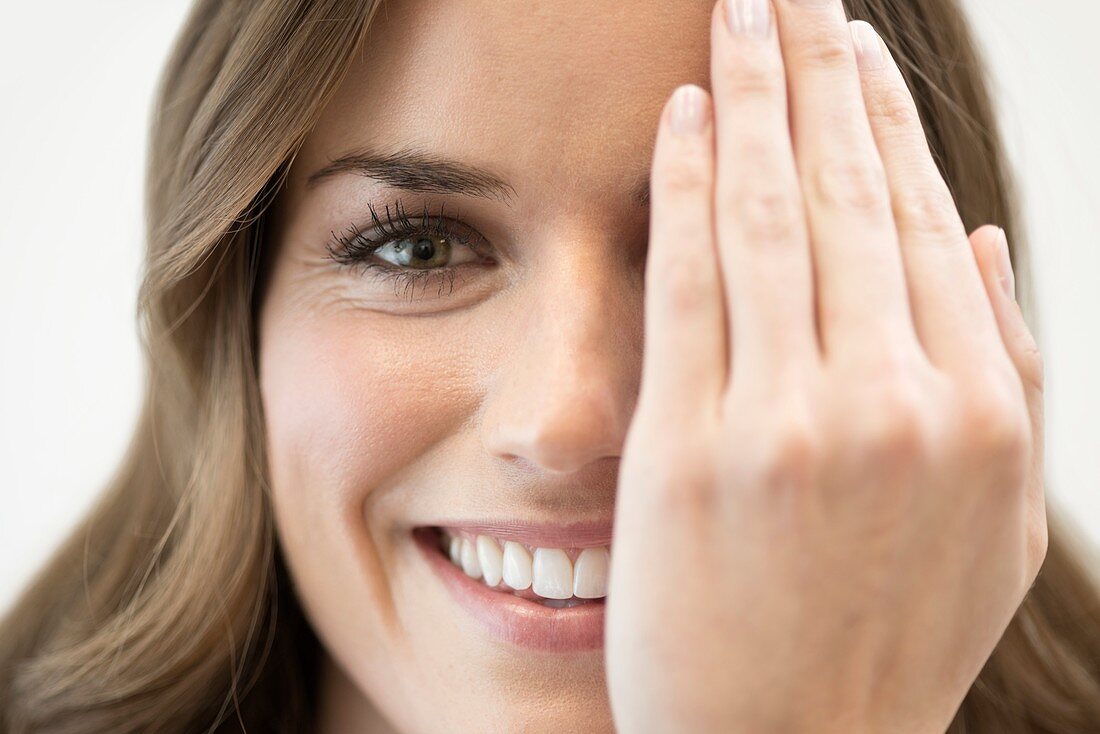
{"x": 512, "y": 619}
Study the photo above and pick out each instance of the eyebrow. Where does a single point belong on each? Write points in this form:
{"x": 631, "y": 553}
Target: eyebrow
{"x": 419, "y": 171}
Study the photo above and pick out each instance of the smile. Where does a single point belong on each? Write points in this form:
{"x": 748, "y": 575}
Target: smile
{"x": 519, "y": 586}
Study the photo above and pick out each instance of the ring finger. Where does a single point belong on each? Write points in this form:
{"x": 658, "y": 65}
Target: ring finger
{"x": 861, "y": 291}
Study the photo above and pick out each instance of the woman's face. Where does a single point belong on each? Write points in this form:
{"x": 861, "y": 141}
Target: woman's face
{"x": 487, "y": 384}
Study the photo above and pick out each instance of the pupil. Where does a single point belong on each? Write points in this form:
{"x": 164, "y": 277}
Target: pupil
{"x": 423, "y": 249}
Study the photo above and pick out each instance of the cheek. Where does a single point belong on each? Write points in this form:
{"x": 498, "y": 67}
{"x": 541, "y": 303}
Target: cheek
{"x": 347, "y": 403}
{"x": 359, "y": 409}
{"x": 350, "y": 401}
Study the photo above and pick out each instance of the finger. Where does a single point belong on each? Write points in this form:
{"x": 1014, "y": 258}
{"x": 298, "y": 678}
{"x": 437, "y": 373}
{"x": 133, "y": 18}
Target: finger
{"x": 762, "y": 239}
{"x": 861, "y": 297}
{"x": 685, "y": 344}
{"x": 951, "y": 313}
{"x": 990, "y": 251}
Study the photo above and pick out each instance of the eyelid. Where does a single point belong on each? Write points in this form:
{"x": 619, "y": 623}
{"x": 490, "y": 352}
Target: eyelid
{"x": 397, "y": 223}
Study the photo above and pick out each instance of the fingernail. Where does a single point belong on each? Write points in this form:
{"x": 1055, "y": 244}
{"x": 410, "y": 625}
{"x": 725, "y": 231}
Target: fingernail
{"x": 688, "y": 114}
{"x": 1004, "y": 266}
{"x": 868, "y": 46}
{"x": 749, "y": 17}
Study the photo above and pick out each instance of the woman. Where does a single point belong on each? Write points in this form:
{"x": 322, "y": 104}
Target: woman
{"x": 402, "y": 267}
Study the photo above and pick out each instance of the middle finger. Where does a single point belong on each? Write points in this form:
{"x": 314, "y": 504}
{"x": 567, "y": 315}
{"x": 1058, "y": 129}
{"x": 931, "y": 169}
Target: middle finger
{"x": 760, "y": 219}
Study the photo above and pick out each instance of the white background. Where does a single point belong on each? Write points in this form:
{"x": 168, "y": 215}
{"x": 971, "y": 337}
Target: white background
{"x": 76, "y": 83}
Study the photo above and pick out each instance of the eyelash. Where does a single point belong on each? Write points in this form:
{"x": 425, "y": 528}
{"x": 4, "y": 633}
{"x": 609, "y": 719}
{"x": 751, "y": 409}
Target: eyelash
{"x": 354, "y": 249}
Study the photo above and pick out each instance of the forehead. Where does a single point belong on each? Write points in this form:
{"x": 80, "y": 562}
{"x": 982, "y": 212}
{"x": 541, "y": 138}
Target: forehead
{"x": 555, "y": 97}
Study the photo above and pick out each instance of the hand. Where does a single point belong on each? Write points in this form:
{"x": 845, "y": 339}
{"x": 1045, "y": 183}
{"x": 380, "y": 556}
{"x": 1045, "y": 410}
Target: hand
{"x": 830, "y": 498}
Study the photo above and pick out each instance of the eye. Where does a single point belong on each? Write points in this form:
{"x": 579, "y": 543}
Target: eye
{"x": 421, "y": 251}
{"x": 408, "y": 251}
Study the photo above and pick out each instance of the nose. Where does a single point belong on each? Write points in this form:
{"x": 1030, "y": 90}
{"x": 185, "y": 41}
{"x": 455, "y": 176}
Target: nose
{"x": 564, "y": 394}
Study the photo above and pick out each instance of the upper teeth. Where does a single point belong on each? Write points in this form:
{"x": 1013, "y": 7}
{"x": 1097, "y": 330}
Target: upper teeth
{"x": 549, "y": 574}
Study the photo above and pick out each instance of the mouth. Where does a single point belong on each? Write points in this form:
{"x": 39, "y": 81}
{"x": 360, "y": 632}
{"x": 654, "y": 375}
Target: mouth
{"x": 541, "y": 587}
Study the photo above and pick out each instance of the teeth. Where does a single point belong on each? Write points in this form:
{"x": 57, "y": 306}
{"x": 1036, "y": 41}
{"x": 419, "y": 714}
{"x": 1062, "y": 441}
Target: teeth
{"x": 517, "y": 566}
{"x": 455, "y": 550}
{"x": 468, "y": 556}
{"x": 490, "y": 558}
{"x": 590, "y": 573}
{"x": 550, "y": 574}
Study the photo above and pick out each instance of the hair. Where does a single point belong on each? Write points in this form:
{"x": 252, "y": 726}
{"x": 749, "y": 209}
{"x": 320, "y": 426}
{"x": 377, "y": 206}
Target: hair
{"x": 169, "y": 608}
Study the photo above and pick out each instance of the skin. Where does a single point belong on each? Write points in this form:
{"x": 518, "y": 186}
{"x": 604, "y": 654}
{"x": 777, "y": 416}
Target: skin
{"x": 874, "y": 436}
{"x": 869, "y": 490}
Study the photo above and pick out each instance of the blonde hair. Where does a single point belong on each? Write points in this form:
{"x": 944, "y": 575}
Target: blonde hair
{"x": 168, "y": 609}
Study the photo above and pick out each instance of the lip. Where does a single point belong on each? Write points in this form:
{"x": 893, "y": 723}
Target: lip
{"x": 510, "y": 618}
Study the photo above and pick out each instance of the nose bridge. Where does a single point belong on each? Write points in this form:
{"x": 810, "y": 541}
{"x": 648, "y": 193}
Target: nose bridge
{"x": 564, "y": 396}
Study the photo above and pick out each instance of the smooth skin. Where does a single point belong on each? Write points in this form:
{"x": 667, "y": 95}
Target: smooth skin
{"x": 806, "y": 419}
{"x": 838, "y": 439}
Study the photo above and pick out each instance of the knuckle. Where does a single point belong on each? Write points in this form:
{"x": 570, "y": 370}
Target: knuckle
{"x": 678, "y": 476}
{"x": 748, "y": 77}
{"x": 681, "y": 286}
{"x": 784, "y": 459}
{"x": 750, "y": 70}
{"x": 898, "y": 436}
{"x": 680, "y": 173}
{"x": 827, "y": 51}
{"x": 892, "y": 107}
{"x": 994, "y": 424}
{"x": 852, "y": 184}
{"x": 894, "y": 429}
{"x": 929, "y": 208}
{"x": 687, "y": 484}
{"x": 764, "y": 215}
